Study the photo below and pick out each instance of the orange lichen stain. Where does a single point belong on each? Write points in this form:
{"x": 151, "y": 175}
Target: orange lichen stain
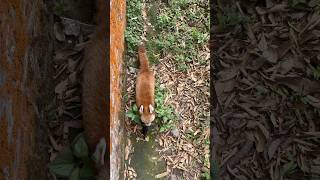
{"x": 13, "y": 26}
{"x": 117, "y": 29}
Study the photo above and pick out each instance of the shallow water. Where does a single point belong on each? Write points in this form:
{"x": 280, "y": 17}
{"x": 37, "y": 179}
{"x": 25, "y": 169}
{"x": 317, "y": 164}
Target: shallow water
{"x": 145, "y": 160}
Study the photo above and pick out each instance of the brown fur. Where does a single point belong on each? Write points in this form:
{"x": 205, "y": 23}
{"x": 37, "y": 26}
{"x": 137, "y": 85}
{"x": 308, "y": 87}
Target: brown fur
{"x": 145, "y": 87}
{"x": 94, "y": 89}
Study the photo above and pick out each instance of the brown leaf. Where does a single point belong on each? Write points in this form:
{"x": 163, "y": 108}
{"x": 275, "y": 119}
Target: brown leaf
{"x": 71, "y": 27}
{"x": 268, "y": 53}
{"x": 259, "y": 141}
{"x": 273, "y": 147}
{"x": 161, "y": 175}
{"x": 58, "y": 32}
{"x": 61, "y": 87}
{"x": 72, "y": 79}
{"x": 315, "y": 102}
{"x": 223, "y": 87}
{"x": 273, "y": 119}
{"x": 263, "y": 129}
{"x": 299, "y": 84}
{"x": 228, "y": 74}
{"x": 255, "y": 63}
{"x": 54, "y": 144}
{"x": 271, "y": 55}
{"x": 61, "y": 56}
{"x": 246, "y": 107}
{"x": 72, "y": 65}
{"x": 286, "y": 66}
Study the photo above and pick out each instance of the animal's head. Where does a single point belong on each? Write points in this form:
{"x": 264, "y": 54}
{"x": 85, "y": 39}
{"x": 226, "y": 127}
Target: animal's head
{"x": 147, "y": 114}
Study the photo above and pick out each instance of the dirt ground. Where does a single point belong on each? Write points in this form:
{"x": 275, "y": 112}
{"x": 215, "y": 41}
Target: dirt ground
{"x": 266, "y": 57}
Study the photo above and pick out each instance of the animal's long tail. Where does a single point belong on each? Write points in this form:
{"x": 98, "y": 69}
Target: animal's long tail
{"x": 143, "y": 59}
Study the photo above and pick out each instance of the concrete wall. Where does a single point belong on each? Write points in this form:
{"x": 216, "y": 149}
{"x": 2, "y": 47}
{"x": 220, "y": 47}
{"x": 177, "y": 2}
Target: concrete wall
{"x": 117, "y": 28}
{"x": 20, "y": 29}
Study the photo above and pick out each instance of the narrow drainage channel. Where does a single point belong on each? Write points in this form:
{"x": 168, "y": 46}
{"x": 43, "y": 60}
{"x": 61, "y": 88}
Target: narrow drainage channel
{"x": 145, "y": 160}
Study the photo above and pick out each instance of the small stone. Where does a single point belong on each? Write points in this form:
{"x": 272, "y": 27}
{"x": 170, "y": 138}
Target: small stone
{"x": 173, "y": 177}
{"x": 147, "y": 138}
{"x": 132, "y": 70}
{"x": 175, "y": 132}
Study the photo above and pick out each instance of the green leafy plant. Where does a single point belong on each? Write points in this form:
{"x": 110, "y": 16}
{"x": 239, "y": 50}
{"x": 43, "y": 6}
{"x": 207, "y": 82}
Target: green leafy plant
{"x": 288, "y": 168}
{"x": 134, "y": 28}
{"x": 230, "y": 17}
{"x": 60, "y": 7}
{"x": 205, "y": 176}
{"x": 294, "y": 3}
{"x": 164, "y": 114}
{"x": 170, "y": 31}
{"x": 314, "y": 3}
{"x": 74, "y": 161}
{"x": 134, "y": 115}
{"x": 316, "y": 73}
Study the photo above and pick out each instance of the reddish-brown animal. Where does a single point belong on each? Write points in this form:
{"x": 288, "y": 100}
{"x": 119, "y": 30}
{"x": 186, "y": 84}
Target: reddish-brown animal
{"x": 145, "y": 89}
{"x": 94, "y": 94}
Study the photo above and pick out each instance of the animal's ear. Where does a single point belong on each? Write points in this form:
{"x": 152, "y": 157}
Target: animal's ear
{"x": 100, "y": 152}
{"x": 141, "y": 109}
{"x": 151, "y": 109}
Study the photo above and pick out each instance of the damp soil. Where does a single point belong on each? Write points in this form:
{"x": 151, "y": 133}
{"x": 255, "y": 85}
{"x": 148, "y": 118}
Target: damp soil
{"x": 145, "y": 160}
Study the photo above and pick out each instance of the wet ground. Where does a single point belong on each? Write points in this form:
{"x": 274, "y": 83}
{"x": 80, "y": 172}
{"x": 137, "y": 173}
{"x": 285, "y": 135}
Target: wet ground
{"x": 145, "y": 160}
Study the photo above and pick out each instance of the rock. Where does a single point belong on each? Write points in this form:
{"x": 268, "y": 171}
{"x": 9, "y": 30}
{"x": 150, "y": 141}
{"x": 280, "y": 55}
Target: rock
{"x": 173, "y": 177}
{"x": 175, "y": 132}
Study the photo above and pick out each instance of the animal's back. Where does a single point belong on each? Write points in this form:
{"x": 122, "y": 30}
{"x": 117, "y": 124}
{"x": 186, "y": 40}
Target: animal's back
{"x": 145, "y": 80}
{"x": 94, "y": 92}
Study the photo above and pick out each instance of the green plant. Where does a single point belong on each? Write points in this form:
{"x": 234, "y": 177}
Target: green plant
{"x": 316, "y": 73}
{"x": 60, "y": 7}
{"x": 174, "y": 35}
{"x": 165, "y": 116}
{"x": 74, "y": 161}
{"x": 134, "y": 28}
{"x": 314, "y": 3}
{"x": 134, "y": 115}
{"x": 230, "y": 18}
{"x": 294, "y": 3}
{"x": 205, "y": 175}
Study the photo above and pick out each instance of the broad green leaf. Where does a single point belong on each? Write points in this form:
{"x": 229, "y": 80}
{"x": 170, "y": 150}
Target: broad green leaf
{"x": 87, "y": 170}
{"x": 162, "y": 129}
{"x": 135, "y": 108}
{"x": 63, "y": 164}
{"x": 314, "y": 3}
{"x": 75, "y": 174}
{"x": 80, "y": 148}
{"x": 287, "y": 168}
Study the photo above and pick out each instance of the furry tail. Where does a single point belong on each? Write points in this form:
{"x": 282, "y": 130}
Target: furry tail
{"x": 143, "y": 59}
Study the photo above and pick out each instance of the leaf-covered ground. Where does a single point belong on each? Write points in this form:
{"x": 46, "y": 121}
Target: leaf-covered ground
{"x": 176, "y": 34}
{"x": 69, "y": 156}
{"x": 266, "y": 125}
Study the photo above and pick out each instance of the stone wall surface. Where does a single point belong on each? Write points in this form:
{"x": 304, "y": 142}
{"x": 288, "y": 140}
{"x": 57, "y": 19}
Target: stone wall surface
{"x": 20, "y": 59}
{"x": 117, "y": 29}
